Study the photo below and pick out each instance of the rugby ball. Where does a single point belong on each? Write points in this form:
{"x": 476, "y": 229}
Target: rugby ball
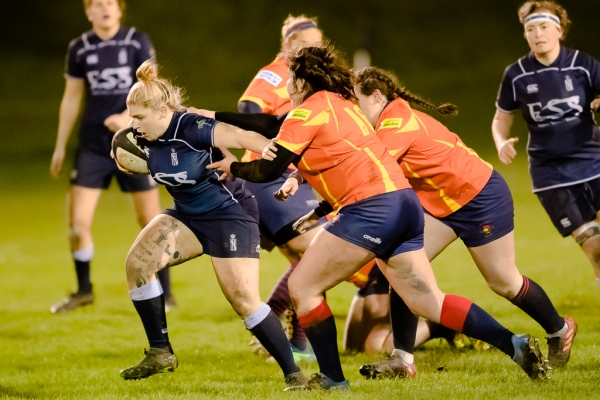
{"x": 127, "y": 152}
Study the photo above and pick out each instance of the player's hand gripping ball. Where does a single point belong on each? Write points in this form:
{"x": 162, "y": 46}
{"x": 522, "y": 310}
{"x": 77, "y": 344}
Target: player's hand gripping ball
{"x": 127, "y": 153}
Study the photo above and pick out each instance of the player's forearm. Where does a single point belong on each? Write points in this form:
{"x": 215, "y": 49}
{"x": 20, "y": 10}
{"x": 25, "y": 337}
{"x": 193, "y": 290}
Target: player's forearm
{"x": 501, "y": 125}
{"x": 68, "y": 113}
{"x": 265, "y": 124}
{"x": 264, "y": 170}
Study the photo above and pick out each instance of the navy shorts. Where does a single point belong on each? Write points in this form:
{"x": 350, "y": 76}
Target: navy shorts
{"x": 386, "y": 224}
{"x": 95, "y": 171}
{"x": 377, "y": 283}
{"x": 227, "y": 233}
{"x": 277, "y": 217}
{"x": 570, "y": 207}
{"x": 487, "y": 217}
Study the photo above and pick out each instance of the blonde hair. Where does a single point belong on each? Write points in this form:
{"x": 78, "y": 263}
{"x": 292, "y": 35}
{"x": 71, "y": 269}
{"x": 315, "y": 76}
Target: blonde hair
{"x": 88, "y": 3}
{"x": 150, "y": 91}
{"x": 291, "y": 22}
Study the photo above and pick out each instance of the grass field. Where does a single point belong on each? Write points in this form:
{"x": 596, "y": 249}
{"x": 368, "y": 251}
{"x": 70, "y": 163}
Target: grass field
{"x": 79, "y": 355}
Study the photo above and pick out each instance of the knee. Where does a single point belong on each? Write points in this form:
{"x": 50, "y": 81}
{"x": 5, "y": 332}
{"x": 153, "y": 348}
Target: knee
{"x": 505, "y": 289}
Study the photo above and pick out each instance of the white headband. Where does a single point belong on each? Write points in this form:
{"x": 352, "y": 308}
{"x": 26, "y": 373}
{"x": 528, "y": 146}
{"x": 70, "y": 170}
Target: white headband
{"x": 545, "y": 16}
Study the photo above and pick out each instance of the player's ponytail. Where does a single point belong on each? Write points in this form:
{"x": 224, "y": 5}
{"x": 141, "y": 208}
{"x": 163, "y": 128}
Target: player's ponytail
{"x": 372, "y": 78}
{"x": 151, "y": 91}
{"x": 322, "y": 68}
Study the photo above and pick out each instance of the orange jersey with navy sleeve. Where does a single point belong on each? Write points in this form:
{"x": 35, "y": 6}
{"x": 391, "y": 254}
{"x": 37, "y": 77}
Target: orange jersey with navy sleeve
{"x": 443, "y": 172}
{"x": 342, "y": 159}
{"x": 268, "y": 89}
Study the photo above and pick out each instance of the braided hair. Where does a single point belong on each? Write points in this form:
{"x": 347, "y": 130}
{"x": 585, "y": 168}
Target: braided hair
{"x": 322, "y": 68}
{"x": 372, "y": 78}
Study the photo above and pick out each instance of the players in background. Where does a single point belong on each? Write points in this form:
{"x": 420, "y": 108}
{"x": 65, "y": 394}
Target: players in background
{"x": 207, "y": 218}
{"x": 100, "y": 70}
{"x": 556, "y": 89}
{"x": 267, "y": 94}
{"x": 379, "y": 216}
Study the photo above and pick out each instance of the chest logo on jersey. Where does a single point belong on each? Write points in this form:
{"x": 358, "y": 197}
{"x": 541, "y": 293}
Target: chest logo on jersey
{"x": 533, "y": 88}
{"x": 555, "y": 109}
{"x": 299, "y": 113}
{"x": 92, "y": 59}
{"x": 391, "y": 123}
{"x": 270, "y": 77}
{"x": 568, "y": 83}
{"x": 174, "y": 160}
{"x": 173, "y": 180}
{"x": 110, "y": 79}
{"x": 123, "y": 56}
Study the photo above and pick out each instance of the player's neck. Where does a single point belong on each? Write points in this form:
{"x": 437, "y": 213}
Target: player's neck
{"x": 549, "y": 57}
{"x": 106, "y": 33}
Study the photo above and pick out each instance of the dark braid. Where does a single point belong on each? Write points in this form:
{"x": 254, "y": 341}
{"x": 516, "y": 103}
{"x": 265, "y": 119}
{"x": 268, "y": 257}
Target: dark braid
{"x": 372, "y": 78}
{"x": 322, "y": 68}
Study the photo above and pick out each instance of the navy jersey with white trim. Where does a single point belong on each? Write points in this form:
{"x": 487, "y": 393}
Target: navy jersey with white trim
{"x": 178, "y": 160}
{"x": 564, "y": 145}
{"x": 108, "y": 69}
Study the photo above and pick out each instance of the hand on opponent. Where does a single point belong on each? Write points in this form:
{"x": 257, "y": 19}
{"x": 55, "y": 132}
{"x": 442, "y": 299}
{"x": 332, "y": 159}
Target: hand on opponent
{"x": 305, "y": 222}
{"x": 224, "y": 165}
{"x": 507, "y": 151}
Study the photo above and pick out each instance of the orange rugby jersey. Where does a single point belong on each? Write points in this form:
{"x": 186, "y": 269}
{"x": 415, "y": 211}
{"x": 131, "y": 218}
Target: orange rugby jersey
{"x": 342, "y": 158}
{"x": 444, "y": 172}
{"x": 268, "y": 89}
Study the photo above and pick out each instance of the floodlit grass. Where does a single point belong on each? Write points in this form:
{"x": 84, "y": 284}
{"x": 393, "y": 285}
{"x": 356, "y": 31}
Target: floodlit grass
{"x": 79, "y": 355}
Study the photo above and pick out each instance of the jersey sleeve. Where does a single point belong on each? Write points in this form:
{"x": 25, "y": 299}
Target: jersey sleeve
{"x": 260, "y": 90}
{"x": 295, "y": 134}
{"x": 146, "y": 50}
{"x": 203, "y": 130}
{"x": 74, "y": 66}
{"x": 506, "y": 98}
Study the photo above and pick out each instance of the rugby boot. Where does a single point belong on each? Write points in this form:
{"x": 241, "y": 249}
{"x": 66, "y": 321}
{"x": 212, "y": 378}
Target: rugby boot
{"x": 392, "y": 367}
{"x": 72, "y": 301}
{"x": 559, "y": 348}
{"x": 529, "y": 357}
{"x": 295, "y": 381}
{"x": 156, "y": 361}
{"x": 320, "y": 381}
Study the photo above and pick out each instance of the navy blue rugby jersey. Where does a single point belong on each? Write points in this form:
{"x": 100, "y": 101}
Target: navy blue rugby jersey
{"x": 108, "y": 69}
{"x": 563, "y": 145}
{"x": 178, "y": 160}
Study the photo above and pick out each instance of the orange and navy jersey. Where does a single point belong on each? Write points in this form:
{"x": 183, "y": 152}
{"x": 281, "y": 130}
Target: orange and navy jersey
{"x": 342, "y": 159}
{"x": 443, "y": 172}
{"x": 268, "y": 89}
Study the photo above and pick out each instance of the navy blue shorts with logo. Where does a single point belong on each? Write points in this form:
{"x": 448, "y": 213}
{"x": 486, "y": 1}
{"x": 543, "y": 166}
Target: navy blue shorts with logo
{"x": 277, "y": 217}
{"x": 487, "y": 217}
{"x": 572, "y": 206}
{"x": 386, "y": 224}
{"x": 377, "y": 283}
{"x": 95, "y": 171}
{"x": 227, "y": 233}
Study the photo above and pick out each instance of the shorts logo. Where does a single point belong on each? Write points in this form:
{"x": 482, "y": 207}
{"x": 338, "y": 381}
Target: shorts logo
{"x": 258, "y": 248}
{"x": 533, "y": 88}
{"x": 391, "y": 123}
{"x": 92, "y": 59}
{"x": 174, "y": 160}
{"x": 74, "y": 174}
{"x": 299, "y": 113}
{"x": 568, "y": 83}
{"x": 486, "y": 228}
{"x": 565, "y": 222}
{"x": 232, "y": 243}
{"x": 372, "y": 239}
{"x": 165, "y": 330}
{"x": 270, "y": 77}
